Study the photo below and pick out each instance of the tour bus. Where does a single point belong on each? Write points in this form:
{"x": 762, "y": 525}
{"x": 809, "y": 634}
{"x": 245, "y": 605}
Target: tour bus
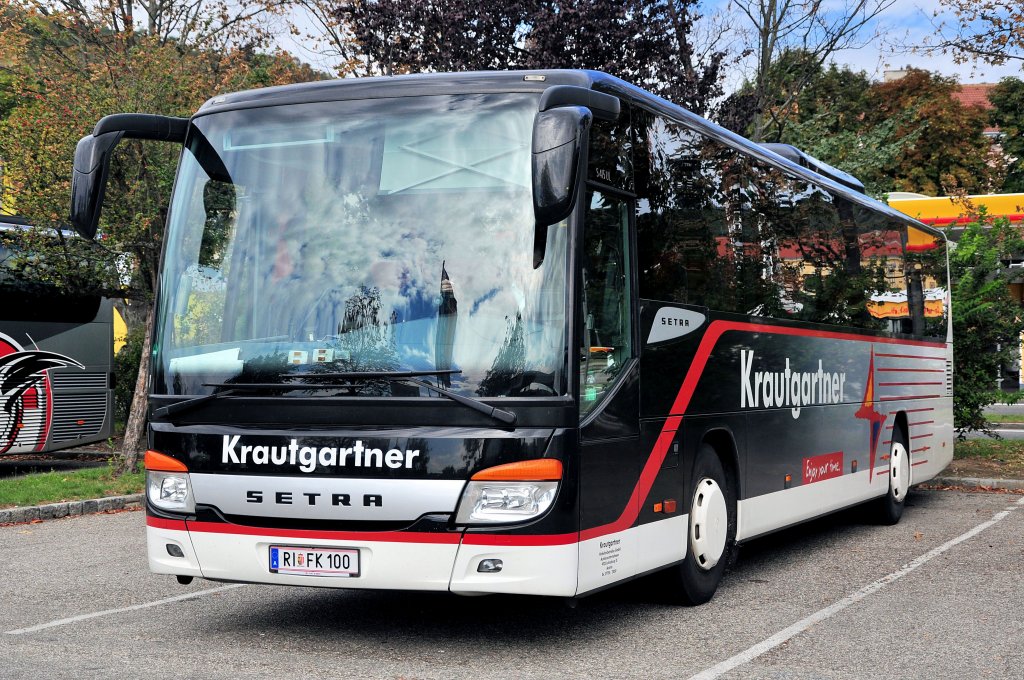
{"x": 517, "y": 332}
{"x": 56, "y": 360}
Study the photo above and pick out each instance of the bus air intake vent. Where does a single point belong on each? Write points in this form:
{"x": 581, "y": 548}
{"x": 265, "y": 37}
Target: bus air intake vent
{"x": 79, "y": 380}
{"x": 77, "y": 415}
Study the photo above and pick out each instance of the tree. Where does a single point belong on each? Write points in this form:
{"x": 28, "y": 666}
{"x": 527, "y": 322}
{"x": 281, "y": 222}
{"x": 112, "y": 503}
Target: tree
{"x": 790, "y": 41}
{"x": 950, "y": 151}
{"x": 1008, "y": 99}
{"x": 648, "y": 42}
{"x": 801, "y": 90}
{"x": 991, "y": 31}
{"x": 73, "y": 64}
{"x": 987, "y": 323}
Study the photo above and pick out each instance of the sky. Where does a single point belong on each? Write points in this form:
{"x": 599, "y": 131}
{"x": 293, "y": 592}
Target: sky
{"x": 905, "y": 24}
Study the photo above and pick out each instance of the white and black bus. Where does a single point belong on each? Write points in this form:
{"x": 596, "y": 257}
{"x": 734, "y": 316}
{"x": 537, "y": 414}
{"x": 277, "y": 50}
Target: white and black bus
{"x": 519, "y": 332}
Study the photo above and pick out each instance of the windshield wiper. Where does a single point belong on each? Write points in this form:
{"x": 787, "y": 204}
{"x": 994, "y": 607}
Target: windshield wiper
{"x": 499, "y": 414}
{"x": 234, "y": 388}
{"x": 190, "y": 404}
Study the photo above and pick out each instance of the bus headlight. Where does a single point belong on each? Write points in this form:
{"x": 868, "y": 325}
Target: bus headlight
{"x": 505, "y": 501}
{"x": 513, "y": 492}
{"x": 167, "y": 484}
{"x": 170, "y": 491}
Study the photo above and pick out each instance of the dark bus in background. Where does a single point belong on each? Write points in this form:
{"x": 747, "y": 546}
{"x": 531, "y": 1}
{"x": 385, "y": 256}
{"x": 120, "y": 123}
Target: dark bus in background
{"x": 524, "y": 332}
{"x": 56, "y": 361}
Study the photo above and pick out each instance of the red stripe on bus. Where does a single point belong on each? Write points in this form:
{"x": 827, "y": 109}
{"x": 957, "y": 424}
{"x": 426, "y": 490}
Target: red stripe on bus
{"x": 946, "y": 221}
{"x": 923, "y": 422}
{"x": 920, "y": 462}
{"x": 161, "y": 523}
{"x": 682, "y": 401}
{"x": 924, "y": 436}
{"x": 520, "y": 539}
{"x": 911, "y": 396}
{"x": 911, "y": 356}
{"x": 377, "y": 536}
{"x": 909, "y": 370}
{"x": 920, "y": 410}
{"x": 923, "y": 448}
{"x": 906, "y": 384}
{"x": 882, "y": 472}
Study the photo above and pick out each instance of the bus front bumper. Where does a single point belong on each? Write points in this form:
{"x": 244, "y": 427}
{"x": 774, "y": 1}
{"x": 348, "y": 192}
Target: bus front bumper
{"x": 401, "y": 561}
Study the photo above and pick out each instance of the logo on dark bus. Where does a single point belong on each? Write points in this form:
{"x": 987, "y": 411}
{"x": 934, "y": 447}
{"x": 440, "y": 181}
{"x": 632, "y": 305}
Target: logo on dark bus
{"x": 25, "y": 395}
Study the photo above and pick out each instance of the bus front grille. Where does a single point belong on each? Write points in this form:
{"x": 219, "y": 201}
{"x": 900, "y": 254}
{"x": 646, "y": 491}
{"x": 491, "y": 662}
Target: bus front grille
{"x": 77, "y": 415}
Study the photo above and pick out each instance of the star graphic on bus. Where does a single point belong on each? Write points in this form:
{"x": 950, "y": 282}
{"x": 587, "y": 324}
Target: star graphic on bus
{"x": 867, "y": 412}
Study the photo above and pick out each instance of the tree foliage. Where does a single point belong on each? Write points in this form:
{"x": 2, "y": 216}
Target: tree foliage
{"x": 991, "y": 31}
{"x": 790, "y": 41}
{"x": 950, "y": 151}
{"x": 1008, "y": 99}
{"x": 69, "y": 64}
{"x": 987, "y": 322}
{"x": 652, "y": 43}
{"x": 910, "y": 134}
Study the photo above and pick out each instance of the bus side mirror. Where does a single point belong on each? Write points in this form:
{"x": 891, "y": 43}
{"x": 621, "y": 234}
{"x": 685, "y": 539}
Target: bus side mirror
{"x": 560, "y": 137}
{"x": 89, "y": 180}
{"x": 92, "y": 160}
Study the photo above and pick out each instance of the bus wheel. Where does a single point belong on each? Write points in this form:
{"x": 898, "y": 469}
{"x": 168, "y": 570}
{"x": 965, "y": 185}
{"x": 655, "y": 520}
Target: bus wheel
{"x": 890, "y": 506}
{"x": 712, "y": 530}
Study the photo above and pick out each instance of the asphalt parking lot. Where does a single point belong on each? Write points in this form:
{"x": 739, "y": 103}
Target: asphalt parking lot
{"x": 940, "y": 595}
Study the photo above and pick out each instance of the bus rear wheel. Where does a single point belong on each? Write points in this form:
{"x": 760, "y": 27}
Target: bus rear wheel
{"x": 890, "y": 506}
{"x": 711, "y": 531}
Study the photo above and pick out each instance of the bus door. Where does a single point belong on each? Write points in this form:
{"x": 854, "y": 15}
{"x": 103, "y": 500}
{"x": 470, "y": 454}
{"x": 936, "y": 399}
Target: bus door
{"x": 609, "y": 394}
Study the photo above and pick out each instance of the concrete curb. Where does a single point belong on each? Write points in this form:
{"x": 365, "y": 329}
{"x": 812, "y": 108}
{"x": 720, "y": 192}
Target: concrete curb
{"x": 988, "y": 483}
{"x": 58, "y": 510}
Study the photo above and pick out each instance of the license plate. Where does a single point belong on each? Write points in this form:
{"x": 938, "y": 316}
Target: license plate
{"x": 337, "y": 562}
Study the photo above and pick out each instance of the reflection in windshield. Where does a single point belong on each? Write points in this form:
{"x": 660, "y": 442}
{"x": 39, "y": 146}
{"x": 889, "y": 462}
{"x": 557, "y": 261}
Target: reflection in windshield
{"x": 363, "y": 236}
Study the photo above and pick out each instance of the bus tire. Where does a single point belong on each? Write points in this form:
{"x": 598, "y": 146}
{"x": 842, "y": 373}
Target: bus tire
{"x": 711, "y": 532}
{"x": 890, "y": 506}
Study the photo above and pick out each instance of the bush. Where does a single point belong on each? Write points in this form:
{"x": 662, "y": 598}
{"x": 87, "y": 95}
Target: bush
{"x": 987, "y": 322}
{"x": 126, "y": 372}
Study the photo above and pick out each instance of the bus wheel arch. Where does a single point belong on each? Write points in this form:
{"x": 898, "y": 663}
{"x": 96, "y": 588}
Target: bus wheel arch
{"x": 721, "y": 440}
{"x": 889, "y": 507}
{"x": 711, "y": 527}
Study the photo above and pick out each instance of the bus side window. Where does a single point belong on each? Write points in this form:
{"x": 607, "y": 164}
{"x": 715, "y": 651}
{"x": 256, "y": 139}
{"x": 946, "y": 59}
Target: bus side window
{"x": 607, "y": 330}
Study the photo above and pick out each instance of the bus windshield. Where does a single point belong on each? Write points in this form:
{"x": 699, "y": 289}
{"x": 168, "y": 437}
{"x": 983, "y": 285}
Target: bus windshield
{"x": 370, "y": 235}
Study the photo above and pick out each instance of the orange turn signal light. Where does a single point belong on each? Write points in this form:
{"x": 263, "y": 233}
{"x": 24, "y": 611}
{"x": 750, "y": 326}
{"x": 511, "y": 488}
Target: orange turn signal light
{"x": 163, "y": 463}
{"x": 539, "y": 470}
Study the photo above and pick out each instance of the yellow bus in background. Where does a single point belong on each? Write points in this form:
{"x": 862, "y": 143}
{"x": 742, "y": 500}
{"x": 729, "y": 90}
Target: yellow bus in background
{"x": 946, "y": 211}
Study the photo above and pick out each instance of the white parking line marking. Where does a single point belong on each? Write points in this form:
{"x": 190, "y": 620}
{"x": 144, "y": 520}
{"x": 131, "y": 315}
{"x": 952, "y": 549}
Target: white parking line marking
{"x": 800, "y": 626}
{"x": 105, "y": 612}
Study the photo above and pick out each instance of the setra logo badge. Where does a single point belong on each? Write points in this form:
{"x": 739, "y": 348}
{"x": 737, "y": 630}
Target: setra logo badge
{"x": 672, "y": 322}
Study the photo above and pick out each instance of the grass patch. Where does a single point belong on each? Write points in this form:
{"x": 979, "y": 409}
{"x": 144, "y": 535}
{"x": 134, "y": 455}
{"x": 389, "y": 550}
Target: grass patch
{"x": 991, "y": 449}
{"x": 989, "y": 458}
{"x": 54, "y": 487}
{"x": 1005, "y": 418}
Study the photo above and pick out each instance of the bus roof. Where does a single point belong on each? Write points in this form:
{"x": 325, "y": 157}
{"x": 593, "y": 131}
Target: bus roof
{"x": 535, "y": 81}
